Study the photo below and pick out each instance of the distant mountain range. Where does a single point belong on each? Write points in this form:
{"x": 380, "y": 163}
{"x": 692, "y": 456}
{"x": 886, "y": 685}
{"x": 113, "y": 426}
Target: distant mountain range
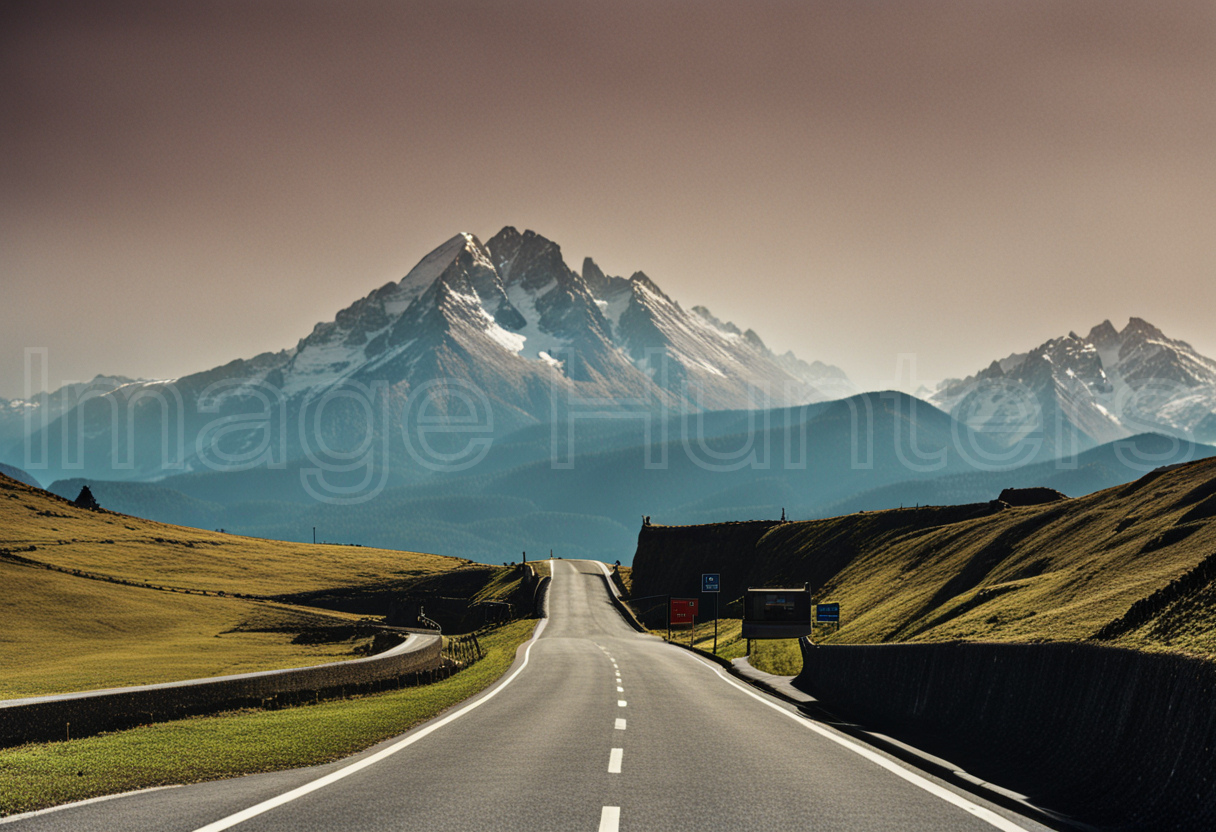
{"x": 19, "y": 416}
{"x": 874, "y": 450}
{"x": 1074, "y": 393}
{"x": 502, "y": 334}
{"x": 494, "y": 400}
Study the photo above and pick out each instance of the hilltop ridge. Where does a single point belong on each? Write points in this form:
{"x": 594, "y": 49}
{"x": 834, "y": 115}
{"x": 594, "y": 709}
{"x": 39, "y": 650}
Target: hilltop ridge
{"x": 129, "y": 601}
{"x": 1133, "y": 565}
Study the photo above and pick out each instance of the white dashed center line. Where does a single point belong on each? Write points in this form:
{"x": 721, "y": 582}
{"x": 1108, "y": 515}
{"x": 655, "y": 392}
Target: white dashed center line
{"x": 614, "y": 760}
{"x": 620, "y": 703}
{"x": 620, "y": 725}
{"x": 620, "y": 689}
{"x": 610, "y": 819}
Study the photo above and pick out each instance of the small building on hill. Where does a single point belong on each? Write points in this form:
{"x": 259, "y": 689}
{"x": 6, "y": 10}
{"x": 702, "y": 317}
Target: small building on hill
{"x": 1031, "y": 496}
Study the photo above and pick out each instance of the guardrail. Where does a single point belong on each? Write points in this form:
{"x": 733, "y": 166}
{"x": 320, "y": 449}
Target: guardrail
{"x": 464, "y": 650}
{"x": 418, "y": 660}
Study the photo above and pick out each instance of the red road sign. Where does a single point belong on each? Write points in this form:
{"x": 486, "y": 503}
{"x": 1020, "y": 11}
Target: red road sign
{"x": 683, "y": 610}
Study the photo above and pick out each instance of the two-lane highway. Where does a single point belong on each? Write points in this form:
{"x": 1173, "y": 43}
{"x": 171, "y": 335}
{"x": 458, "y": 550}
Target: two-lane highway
{"x": 595, "y": 727}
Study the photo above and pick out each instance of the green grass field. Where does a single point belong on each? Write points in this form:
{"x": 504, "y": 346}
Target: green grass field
{"x": 208, "y": 748}
{"x": 779, "y": 656}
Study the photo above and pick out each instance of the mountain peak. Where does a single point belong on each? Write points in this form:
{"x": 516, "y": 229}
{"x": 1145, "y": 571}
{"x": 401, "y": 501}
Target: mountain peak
{"x": 725, "y": 326}
{"x": 526, "y": 258}
{"x": 1138, "y": 327}
{"x": 396, "y": 297}
{"x": 1103, "y": 335}
{"x": 1106, "y": 386}
{"x": 641, "y": 280}
{"x": 602, "y": 287}
{"x": 752, "y": 338}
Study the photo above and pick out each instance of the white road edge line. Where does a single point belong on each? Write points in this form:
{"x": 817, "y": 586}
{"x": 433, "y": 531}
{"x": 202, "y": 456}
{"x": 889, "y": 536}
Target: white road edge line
{"x": 915, "y": 779}
{"x": 610, "y": 819}
{"x": 333, "y": 777}
{"x": 620, "y": 725}
{"x": 102, "y": 799}
{"x": 614, "y": 760}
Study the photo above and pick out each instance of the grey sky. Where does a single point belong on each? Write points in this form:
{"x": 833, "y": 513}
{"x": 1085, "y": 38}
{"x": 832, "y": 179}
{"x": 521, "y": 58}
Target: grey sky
{"x": 181, "y": 186}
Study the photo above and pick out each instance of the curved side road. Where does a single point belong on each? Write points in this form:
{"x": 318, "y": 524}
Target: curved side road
{"x": 49, "y": 717}
{"x": 596, "y": 727}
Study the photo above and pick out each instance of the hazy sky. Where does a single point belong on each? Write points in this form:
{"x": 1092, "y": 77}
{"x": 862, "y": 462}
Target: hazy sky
{"x": 184, "y": 184}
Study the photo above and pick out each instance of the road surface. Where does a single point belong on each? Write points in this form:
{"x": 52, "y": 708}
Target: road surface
{"x": 595, "y": 727}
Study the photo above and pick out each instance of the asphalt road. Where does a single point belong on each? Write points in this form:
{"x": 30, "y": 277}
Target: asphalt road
{"x": 595, "y": 727}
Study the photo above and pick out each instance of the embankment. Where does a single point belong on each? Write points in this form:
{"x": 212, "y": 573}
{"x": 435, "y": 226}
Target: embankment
{"x": 1066, "y": 570}
{"x": 1116, "y": 738}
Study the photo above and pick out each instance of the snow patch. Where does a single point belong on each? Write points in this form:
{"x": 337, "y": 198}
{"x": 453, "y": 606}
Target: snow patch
{"x": 536, "y": 340}
{"x": 420, "y": 278}
{"x": 510, "y": 341}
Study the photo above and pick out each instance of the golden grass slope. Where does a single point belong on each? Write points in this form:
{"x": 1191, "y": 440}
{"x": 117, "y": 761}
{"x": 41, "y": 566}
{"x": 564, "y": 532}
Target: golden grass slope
{"x": 60, "y": 632}
{"x": 143, "y": 550}
{"x": 1052, "y": 572}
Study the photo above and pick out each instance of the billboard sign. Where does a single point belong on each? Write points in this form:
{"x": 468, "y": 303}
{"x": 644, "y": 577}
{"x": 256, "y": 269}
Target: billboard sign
{"x": 827, "y": 613}
{"x": 683, "y": 610}
{"x": 777, "y": 613}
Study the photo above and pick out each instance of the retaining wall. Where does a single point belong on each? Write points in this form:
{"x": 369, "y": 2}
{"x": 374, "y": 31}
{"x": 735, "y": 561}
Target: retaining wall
{"x": 80, "y": 714}
{"x": 1115, "y": 738}
{"x": 540, "y": 597}
{"x": 614, "y": 595}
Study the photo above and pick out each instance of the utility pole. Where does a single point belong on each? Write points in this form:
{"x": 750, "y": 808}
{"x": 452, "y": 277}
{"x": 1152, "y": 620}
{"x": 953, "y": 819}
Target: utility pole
{"x": 314, "y": 535}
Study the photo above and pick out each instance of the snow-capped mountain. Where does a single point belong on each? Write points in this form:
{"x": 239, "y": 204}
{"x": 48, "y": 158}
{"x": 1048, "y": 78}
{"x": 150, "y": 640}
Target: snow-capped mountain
{"x": 511, "y": 317}
{"x": 1077, "y": 392}
{"x": 522, "y": 336}
{"x": 17, "y": 416}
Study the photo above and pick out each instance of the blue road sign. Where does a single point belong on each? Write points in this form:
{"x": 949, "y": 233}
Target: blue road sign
{"x": 711, "y": 582}
{"x": 828, "y": 613}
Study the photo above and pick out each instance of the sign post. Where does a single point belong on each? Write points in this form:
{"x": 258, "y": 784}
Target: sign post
{"x": 712, "y": 582}
{"x": 682, "y": 611}
{"x": 828, "y": 614}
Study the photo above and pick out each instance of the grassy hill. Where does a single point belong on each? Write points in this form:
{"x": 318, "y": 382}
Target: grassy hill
{"x": 1134, "y": 565}
{"x": 144, "y": 550}
{"x": 96, "y": 599}
{"x": 62, "y": 633}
